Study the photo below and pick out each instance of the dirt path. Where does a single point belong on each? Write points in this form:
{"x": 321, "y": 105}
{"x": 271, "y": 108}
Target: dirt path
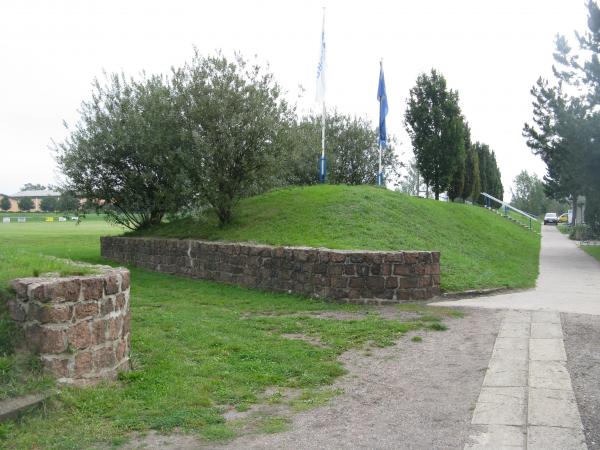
{"x": 414, "y": 395}
{"x": 582, "y": 343}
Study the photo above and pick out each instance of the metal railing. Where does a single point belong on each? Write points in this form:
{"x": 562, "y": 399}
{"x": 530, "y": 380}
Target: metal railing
{"x": 506, "y": 207}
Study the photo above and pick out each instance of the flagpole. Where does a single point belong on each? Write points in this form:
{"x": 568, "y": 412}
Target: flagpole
{"x": 380, "y": 176}
{"x": 323, "y": 117}
{"x": 380, "y": 94}
{"x": 321, "y": 96}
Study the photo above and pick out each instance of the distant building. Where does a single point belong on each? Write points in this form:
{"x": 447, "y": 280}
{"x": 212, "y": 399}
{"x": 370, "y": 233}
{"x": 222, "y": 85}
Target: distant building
{"x": 36, "y": 196}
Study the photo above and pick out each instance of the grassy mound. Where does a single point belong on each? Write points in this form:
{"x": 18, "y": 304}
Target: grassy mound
{"x": 479, "y": 249}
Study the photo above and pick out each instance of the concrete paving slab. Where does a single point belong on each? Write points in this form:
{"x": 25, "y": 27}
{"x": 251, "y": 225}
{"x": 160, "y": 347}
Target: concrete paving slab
{"x": 547, "y": 350}
{"x": 511, "y": 348}
{"x": 549, "y": 375}
{"x": 500, "y": 406}
{"x": 553, "y": 408}
{"x": 514, "y": 330}
{"x": 517, "y": 316}
{"x": 497, "y": 437}
{"x": 545, "y": 317}
{"x": 506, "y": 372}
{"x": 555, "y": 438}
{"x": 544, "y": 330}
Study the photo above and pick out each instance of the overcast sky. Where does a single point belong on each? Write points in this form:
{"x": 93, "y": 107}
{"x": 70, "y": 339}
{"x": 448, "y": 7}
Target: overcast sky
{"x": 491, "y": 52}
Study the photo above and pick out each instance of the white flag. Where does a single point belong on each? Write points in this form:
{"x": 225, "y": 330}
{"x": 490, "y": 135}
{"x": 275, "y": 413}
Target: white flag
{"x": 321, "y": 67}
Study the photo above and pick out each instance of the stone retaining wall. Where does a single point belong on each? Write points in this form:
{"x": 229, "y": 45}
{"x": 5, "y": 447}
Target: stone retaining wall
{"x": 80, "y": 326}
{"x": 348, "y": 276}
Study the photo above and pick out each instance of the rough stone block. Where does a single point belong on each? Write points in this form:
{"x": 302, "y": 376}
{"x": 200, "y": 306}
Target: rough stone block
{"x": 66, "y": 290}
{"x": 339, "y": 282}
{"x": 409, "y": 282}
{"x": 92, "y": 288}
{"x": 386, "y": 269}
{"x": 104, "y": 358}
{"x": 32, "y": 336}
{"x": 335, "y": 270}
{"x": 402, "y": 269}
{"x": 111, "y": 284}
{"x": 120, "y": 301}
{"x": 20, "y": 288}
{"x": 113, "y": 327}
{"x": 121, "y": 351}
{"x": 52, "y": 341}
{"x": 16, "y": 310}
{"x": 107, "y": 306}
{"x": 363, "y": 270}
{"x": 127, "y": 323}
{"x": 50, "y": 313}
{"x": 411, "y": 257}
{"x": 375, "y": 284}
{"x": 336, "y": 257}
{"x": 79, "y": 335}
{"x": 423, "y": 269}
{"x": 59, "y": 367}
{"x": 83, "y": 310}
{"x": 84, "y": 363}
{"x": 98, "y": 331}
{"x": 391, "y": 283}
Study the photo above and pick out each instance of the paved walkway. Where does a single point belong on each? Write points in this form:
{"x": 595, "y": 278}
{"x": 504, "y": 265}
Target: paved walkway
{"x": 527, "y": 399}
{"x": 569, "y": 281}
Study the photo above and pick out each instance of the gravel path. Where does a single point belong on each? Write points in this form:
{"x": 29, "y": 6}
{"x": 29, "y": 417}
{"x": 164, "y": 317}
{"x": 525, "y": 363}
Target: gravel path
{"x": 414, "y": 395}
{"x": 582, "y": 344}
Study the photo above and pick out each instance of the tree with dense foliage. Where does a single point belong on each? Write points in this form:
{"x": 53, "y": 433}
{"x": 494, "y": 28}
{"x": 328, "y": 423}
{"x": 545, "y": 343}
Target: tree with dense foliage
{"x": 489, "y": 174}
{"x": 566, "y": 121}
{"x": 33, "y": 187}
{"x": 457, "y": 183}
{"x": 435, "y": 125}
{"x": 528, "y": 193}
{"x": 232, "y": 114}
{"x": 472, "y": 185}
{"x": 351, "y": 147}
{"x": 126, "y": 152}
{"x": 410, "y": 182}
{"x": 49, "y": 204}
{"x": 25, "y": 204}
{"x": 5, "y": 203}
{"x": 67, "y": 202}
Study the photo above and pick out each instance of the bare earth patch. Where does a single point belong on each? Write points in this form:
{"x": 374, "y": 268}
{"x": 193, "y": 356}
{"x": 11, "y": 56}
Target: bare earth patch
{"x": 410, "y": 395}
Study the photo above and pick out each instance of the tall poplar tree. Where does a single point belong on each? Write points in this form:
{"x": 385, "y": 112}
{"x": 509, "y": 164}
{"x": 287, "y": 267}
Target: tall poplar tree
{"x": 435, "y": 125}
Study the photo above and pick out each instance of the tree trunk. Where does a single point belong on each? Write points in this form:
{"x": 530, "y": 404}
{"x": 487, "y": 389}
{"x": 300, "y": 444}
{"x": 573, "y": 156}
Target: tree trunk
{"x": 437, "y": 195}
{"x": 156, "y": 217}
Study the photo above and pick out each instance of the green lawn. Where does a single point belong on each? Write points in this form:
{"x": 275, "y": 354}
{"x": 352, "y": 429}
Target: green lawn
{"x": 198, "y": 349}
{"x": 479, "y": 249}
{"x": 593, "y": 250}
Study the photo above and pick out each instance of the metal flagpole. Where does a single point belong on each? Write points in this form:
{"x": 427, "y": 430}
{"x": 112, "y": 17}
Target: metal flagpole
{"x": 383, "y": 110}
{"x": 323, "y": 118}
{"x": 321, "y": 97}
{"x": 380, "y": 175}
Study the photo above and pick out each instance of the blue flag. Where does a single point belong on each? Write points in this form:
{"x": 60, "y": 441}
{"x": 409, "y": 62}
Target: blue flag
{"x": 383, "y": 108}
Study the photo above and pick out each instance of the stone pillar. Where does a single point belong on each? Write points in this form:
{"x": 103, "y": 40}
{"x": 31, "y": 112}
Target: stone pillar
{"x": 79, "y": 326}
